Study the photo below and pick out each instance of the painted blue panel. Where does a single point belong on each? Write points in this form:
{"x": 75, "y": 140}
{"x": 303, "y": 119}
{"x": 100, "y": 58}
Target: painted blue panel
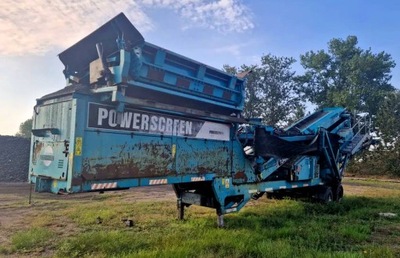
{"x": 196, "y": 86}
{"x": 144, "y": 71}
{"x": 218, "y": 92}
{"x": 323, "y": 118}
{"x": 170, "y": 79}
{"x": 172, "y": 64}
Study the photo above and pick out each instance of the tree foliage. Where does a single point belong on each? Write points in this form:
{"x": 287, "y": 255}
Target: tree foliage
{"x": 346, "y": 75}
{"x": 25, "y": 129}
{"x": 343, "y": 75}
{"x": 252, "y": 105}
{"x": 271, "y": 90}
{"x": 388, "y": 121}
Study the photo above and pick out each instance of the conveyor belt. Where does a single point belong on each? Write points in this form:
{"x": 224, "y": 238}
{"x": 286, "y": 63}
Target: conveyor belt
{"x": 273, "y": 146}
{"x": 306, "y": 122}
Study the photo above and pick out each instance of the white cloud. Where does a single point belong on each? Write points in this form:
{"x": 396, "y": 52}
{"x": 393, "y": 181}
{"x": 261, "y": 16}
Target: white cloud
{"x": 29, "y": 26}
{"x": 37, "y": 26}
{"x": 221, "y": 15}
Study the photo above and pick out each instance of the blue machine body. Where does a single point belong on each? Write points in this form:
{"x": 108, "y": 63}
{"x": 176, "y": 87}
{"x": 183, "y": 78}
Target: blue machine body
{"x": 135, "y": 114}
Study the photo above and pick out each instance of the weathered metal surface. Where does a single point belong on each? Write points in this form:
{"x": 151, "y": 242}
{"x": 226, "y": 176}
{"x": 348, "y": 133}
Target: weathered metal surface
{"x": 187, "y": 107}
{"x": 202, "y": 157}
{"x": 153, "y": 159}
{"x": 129, "y": 161}
{"x": 241, "y": 175}
{"x": 52, "y": 127}
{"x": 77, "y": 58}
{"x": 37, "y": 149}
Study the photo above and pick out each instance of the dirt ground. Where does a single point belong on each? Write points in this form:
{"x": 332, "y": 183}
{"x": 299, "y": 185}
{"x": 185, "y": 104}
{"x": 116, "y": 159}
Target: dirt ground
{"x": 19, "y": 193}
{"x": 15, "y": 208}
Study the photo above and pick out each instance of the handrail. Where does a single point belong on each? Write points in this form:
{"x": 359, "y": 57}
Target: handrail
{"x": 366, "y": 124}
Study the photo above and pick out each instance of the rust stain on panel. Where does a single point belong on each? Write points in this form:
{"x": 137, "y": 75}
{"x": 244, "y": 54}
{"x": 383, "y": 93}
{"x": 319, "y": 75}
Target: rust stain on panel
{"x": 157, "y": 75}
{"x": 208, "y": 160}
{"x": 183, "y": 83}
{"x": 136, "y": 161}
{"x": 240, "y": 175}
{"x": 208, "y": 89}
{"x": 36, "y": 151}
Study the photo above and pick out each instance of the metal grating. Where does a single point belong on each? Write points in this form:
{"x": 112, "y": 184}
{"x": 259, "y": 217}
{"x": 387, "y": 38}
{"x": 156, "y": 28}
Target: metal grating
{"x": 60, "y": 163}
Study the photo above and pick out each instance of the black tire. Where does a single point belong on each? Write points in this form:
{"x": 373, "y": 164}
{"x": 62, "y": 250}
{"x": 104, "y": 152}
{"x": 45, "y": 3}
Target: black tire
{"x": 326, "y": 195}
{"x": 338, "y": 196}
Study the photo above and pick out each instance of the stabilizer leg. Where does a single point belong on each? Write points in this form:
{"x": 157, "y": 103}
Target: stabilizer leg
{"x": 220, "y": 220}
{"x": 181, "y": 209}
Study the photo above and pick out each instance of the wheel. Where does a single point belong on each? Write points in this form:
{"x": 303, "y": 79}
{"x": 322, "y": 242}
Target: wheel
{"x": 325, "y": 194}
{"x": 338, "y": 196}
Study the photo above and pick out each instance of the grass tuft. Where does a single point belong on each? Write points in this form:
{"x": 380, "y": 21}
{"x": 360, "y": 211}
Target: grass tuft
{"x": 103, "y": 243}
{"x": 33, "y": 239}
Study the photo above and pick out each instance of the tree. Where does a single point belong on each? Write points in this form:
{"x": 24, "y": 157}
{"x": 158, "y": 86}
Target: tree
{"x": 346, "y": 76}
{"x": 25, "y": 129}
{"x": 252, "y": 105}
{"x": 388, "y": 119}
{"x": 271, "y": 90}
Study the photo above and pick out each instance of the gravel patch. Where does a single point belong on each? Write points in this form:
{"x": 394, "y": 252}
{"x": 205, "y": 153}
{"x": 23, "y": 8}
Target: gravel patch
{"x": 14, "y": 159}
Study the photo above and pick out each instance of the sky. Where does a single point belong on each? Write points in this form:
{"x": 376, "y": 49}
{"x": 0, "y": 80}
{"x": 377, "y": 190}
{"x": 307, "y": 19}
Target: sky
{"x": 214, "y": 32}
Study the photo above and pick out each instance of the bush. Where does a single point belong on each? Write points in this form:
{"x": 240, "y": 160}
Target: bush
{"x": 381, "y": 162}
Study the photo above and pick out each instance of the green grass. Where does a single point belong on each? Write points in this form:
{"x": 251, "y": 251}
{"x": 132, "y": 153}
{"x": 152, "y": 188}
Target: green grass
{"x": 265, "y": 228}
{"x": 32, "y": 239}
{"x": 274, "y": 228}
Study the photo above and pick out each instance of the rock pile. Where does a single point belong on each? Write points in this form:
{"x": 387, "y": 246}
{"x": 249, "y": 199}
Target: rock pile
{"x": 14, "y": 159}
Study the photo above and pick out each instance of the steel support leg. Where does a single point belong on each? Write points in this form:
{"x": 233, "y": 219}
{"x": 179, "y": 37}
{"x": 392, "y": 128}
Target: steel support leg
{"x": 220, "y": 220}
{"x": 181, "y": 209}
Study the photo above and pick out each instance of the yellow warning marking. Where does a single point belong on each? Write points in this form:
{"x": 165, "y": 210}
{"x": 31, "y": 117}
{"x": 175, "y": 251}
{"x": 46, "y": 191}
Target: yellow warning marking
{"x": 173, "y": 150}
{"x": 78, "y": 146}
{"x": 227, "y": 184}
{"x": 70, "y": 161}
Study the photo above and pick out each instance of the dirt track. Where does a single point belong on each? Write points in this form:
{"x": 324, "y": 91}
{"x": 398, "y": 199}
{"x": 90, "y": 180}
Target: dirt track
{"x": 15, "y": 207}
{"x": 15, "y": 192}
